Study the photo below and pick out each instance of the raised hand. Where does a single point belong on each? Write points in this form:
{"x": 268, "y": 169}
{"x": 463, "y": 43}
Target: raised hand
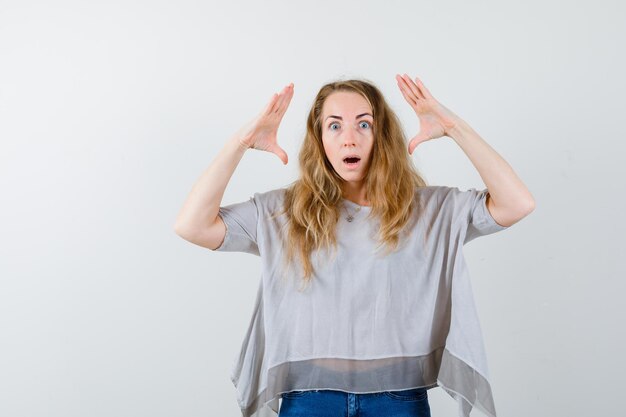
{"x": 261, "y": 132}
{"x": 435, "y": 119}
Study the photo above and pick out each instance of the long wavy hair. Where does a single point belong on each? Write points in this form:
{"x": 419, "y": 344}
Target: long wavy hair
{"x": 312, "y": 203}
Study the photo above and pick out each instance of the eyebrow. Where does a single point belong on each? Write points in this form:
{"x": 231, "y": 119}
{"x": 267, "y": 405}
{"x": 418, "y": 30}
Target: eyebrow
{"x": 341, "y": 118}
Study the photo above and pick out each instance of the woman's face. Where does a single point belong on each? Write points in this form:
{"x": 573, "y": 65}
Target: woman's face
{"x": 347, "y": 130}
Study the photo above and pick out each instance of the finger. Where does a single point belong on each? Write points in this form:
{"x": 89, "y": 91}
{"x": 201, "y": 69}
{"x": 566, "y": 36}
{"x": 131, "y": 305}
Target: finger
{"x": 284, "y": 93}
{"x": 403, "y": 84}
{"x": 406, "y": 92}
{"x": 281, "y": 94}
{"x": 410, "y": 91}
{"x": 285, "y": 103}
{"x": 270, "y": 105}
{"x": 280, "y": 153}
{"x": 279, "y": 97}
{"x": 413, "y": 87}
{"x": 409, "y": 98}
{"x": 416, "y": 140}
{"x": 412, "y": 146}
{"x": 423, "y": 88}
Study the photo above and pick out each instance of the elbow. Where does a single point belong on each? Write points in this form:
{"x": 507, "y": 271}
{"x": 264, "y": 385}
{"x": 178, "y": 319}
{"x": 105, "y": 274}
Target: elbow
{"x": 528, "y": 206}
{"x": 523, "y": 209}
{"x": 185, "y": 233}
{"x": 180, "y": 230}
{"x": 514, "y": 213}
{"x": 178, "y": 225}
{"x": 523, "y": 206}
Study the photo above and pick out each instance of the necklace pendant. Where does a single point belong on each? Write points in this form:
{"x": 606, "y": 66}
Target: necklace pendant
{"x": 350, "y": 218}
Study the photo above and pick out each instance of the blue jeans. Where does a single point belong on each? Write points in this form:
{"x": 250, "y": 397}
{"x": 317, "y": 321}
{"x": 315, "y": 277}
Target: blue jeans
{"x": 330, "y": 403}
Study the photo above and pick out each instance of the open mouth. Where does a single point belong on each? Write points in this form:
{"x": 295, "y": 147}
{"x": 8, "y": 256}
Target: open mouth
{"x": 352, "y": 161}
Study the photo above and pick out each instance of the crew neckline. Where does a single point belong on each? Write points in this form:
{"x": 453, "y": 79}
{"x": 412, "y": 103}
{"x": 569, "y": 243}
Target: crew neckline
{"x": 353, "y": 204}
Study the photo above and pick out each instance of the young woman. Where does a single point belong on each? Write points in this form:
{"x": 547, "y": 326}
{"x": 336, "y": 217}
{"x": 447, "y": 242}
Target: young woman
{"x": 383, "y": 309}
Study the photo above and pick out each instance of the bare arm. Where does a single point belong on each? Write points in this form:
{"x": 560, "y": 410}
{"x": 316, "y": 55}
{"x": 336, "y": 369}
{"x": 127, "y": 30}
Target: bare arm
{"x": 509, "y": 200}
{"x": 198, "y": 220}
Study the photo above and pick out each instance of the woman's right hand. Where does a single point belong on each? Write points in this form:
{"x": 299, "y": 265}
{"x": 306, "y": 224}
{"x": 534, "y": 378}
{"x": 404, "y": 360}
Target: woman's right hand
{"x": 260, "y": 133}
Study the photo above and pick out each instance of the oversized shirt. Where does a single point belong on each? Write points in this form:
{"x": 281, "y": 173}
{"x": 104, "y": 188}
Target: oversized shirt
{"x": 367, "y": 322}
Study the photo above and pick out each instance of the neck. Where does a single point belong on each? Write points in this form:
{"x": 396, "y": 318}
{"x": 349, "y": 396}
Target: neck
{"x": 356, "y": 193}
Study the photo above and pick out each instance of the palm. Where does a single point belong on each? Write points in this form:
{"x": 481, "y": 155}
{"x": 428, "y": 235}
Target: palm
{"x": 261, "y": 133}
{"x": 435, "y": 119}
{"x": 430, "y": 127}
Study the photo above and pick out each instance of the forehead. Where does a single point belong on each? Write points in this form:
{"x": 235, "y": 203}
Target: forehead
{"x": 345, "y": 103}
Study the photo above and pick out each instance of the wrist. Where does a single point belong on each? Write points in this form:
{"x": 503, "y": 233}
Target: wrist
{"x": 457, "y": 128}
{"x": 238, "y": 143}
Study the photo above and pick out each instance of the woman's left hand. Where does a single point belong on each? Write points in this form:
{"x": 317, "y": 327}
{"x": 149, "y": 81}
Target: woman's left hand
{"x": 435, "y": 119}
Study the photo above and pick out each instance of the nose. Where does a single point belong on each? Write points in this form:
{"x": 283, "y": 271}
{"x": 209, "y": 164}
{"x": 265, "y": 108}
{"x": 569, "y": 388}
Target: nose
{"x": 349, "y": 136}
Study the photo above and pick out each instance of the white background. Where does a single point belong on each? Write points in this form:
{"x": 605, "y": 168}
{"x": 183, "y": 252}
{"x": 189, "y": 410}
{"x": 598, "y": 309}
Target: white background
{"x": 109, "y": 112}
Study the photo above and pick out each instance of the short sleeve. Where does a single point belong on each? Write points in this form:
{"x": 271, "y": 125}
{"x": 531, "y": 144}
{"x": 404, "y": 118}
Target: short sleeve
{"x": 481, "y": 222}
{"x": 241, "y": 227}
{"x": 471, "y": 207}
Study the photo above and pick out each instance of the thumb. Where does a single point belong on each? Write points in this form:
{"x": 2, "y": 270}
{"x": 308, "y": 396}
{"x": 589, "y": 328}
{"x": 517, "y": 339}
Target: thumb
{"x": 280, "y": 153}
{"x": 416, "y": 140}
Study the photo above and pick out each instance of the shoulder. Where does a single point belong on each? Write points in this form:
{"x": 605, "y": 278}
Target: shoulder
{"x": 446, "y": 199}
{"x": 435, "y": 194}
{"x": 270, "y": 200}
{"x": 444, "y": 192}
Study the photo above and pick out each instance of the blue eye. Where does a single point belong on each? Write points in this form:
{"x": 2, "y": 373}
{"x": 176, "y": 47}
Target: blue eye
{"x": 367, "y": 125}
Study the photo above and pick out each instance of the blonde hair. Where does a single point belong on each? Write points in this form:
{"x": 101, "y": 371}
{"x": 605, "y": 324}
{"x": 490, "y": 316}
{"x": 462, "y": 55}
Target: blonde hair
{"x": 312, "y": 203}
